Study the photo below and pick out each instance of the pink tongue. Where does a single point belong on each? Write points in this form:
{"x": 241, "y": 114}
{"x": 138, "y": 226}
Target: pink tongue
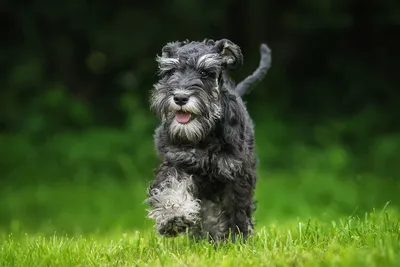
{"x": 182, "y": 117}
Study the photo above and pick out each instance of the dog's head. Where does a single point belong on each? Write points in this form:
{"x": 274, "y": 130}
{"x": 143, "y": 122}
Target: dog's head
{"x": 188, "y": 97}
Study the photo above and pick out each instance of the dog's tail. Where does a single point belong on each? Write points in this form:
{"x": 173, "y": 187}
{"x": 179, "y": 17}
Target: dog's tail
{"x": 265, "y": 63}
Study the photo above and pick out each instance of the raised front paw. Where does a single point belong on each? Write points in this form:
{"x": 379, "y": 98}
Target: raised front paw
{"x": 185, "y": 158}
{"x": 175, "y": 226}
{"x": 180, "y": 156}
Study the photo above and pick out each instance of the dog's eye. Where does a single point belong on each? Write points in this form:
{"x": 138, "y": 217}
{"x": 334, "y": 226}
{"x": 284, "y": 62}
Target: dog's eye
{"x": 204, "y": 74}
{"x": 207, "y": 74}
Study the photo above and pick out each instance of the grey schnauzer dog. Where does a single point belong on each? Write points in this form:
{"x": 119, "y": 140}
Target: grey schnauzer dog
{"x": 206, "y": 181}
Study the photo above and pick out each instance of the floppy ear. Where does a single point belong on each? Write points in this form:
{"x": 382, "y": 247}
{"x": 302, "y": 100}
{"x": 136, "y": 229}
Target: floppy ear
{"x": 232, "y": 121}
{"x": 170, "y": 49}
{"x": 231, "y": 54}
{"x": 167, "y": 61}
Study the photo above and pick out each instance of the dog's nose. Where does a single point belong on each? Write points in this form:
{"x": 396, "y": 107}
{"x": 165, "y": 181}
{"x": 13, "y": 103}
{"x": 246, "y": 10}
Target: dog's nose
{"x": 181, "y": 99}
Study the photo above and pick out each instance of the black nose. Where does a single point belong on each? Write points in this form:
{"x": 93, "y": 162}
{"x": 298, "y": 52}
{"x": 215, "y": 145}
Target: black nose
{"x": 181, "y": 99}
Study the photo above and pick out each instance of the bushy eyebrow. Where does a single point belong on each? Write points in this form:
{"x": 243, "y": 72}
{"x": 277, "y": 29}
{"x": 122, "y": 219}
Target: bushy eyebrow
{"x": 208, "y": 61}
{"x": 166, "y": 63}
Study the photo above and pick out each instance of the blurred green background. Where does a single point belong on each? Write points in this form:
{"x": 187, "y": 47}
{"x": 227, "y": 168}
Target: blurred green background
{"x": 76, "y": 133}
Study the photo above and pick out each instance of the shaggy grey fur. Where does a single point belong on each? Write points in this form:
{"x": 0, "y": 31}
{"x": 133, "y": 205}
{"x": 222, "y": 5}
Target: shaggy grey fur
{"x": 205, "y": 183}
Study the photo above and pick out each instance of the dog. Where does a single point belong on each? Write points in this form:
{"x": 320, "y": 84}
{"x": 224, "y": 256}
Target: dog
{"x": 205, "y": 183}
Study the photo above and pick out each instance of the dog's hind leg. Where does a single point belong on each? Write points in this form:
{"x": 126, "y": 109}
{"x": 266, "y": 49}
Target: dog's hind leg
{"x": 239, "y": 206}
{"x": 214, "y": 223}
{"x": 172, "y": 201}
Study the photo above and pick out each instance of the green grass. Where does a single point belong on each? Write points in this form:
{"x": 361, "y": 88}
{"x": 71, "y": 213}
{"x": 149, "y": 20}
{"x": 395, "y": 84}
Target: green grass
{"x": 369, "y": 241}
{"x": 304, "y": 219}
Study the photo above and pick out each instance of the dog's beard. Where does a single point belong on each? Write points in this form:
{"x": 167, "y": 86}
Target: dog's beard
{"x": 192, "y": 131}
{"x": 193, "y": 121}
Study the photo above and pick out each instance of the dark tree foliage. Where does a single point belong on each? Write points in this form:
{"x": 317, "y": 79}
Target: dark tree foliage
{"x": 66, "y": 65}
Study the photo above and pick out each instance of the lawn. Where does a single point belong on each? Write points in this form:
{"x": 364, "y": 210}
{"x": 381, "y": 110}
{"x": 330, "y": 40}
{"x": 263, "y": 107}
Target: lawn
{"x": 304, "y": 219}
{"x": 369, "y": 241}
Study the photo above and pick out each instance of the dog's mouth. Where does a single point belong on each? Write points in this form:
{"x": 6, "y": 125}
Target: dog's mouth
{"x": 182, "y": 116}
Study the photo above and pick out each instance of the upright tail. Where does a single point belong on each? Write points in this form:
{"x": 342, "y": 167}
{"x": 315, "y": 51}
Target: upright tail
{"x": 265, "y": 63}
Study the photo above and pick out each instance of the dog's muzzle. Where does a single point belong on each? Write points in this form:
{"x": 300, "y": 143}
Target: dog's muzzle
{"x": 185, "y": 106}
{"x": 180, "y": 115}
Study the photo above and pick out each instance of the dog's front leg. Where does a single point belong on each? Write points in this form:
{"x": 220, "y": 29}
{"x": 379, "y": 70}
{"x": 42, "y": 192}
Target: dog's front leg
{"x": 172, "y": 200}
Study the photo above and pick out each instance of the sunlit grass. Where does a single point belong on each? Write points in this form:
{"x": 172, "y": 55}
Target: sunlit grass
{"x": 372, "y": 240}
{"x": 307, "y": 218}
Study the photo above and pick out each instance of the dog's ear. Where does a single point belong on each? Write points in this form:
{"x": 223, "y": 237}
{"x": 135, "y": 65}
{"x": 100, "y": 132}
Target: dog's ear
{"x": 231, "y": 54}
{"x": 170, "y": 49}
{"x": 232, "y": 121}
{"x": 168, "y": 61}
